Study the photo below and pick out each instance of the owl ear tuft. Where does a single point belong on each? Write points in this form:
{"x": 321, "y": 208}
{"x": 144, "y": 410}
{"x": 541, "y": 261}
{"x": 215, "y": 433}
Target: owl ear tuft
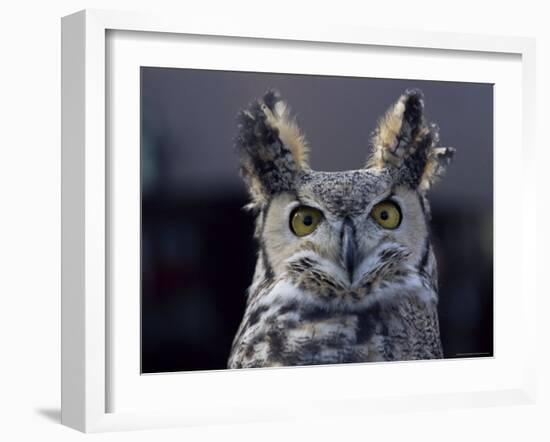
{"x": 406, "y": 143}
{"x": 271, "y": 147}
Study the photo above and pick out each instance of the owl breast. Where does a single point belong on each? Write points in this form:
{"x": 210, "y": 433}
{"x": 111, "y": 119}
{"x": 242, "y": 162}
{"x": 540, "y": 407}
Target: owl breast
{"x": 284, "y": 326}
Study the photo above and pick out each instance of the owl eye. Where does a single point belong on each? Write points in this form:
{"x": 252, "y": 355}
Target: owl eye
{"x": 387, "y": 214}
{"x": 304, "y": 220}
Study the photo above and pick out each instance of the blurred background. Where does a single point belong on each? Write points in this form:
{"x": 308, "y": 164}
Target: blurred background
{"x": 198, "y": 252}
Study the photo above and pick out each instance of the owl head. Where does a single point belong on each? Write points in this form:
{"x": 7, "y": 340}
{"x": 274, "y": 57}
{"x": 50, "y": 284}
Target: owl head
{"x": 346, "y": 237}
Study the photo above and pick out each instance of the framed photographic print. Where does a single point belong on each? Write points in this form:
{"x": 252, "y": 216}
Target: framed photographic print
{"x": 263, "y": 224}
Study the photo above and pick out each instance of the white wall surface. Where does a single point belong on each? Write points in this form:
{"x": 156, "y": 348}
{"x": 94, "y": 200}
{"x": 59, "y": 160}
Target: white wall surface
{"x": 30, "y": 217}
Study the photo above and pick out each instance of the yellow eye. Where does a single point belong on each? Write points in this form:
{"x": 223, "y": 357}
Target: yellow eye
{"x": 304, "y": 220}
{"x": 387, "y": 214}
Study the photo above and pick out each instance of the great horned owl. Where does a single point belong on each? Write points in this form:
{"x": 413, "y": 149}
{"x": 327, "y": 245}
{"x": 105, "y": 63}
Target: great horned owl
{"x": 345, "y": 271}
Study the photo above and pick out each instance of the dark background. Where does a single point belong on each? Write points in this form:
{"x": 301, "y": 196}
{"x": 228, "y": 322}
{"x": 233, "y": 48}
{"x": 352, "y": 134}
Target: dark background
{"x": 198, "y": 253}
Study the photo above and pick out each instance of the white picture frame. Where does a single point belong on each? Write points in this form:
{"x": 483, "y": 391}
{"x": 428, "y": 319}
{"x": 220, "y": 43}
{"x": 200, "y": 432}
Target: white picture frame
{"x": 87, "y": 319}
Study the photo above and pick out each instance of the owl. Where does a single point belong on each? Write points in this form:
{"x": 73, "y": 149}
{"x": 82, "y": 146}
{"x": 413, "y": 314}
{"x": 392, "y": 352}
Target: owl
{"x": 345, "y": 271}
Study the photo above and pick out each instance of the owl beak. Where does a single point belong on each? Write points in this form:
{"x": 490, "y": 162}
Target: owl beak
{"x": 349, "y": 249}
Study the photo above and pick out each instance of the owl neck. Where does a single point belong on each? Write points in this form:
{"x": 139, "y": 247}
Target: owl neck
{"x": 263, "y": 273}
